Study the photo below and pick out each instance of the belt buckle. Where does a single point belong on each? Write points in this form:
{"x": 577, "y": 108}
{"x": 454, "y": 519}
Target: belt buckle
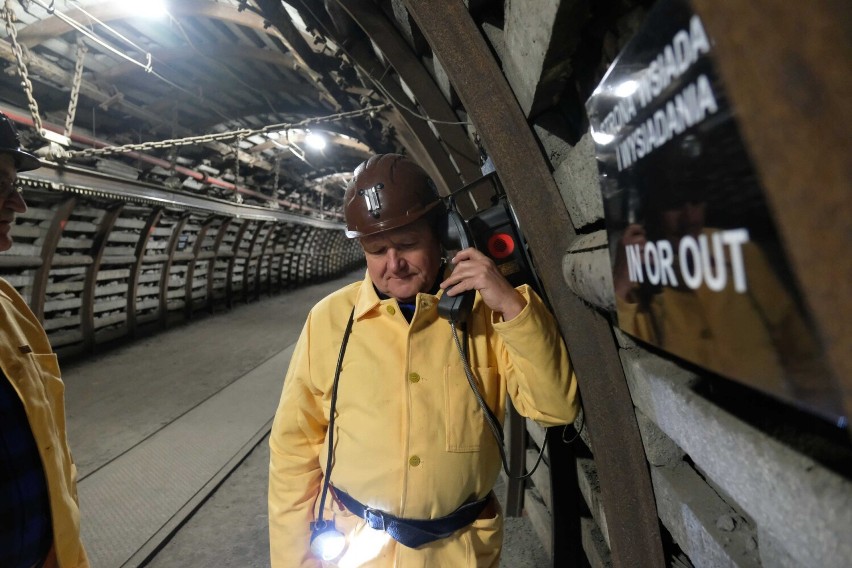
{"x": 375, "y": 518}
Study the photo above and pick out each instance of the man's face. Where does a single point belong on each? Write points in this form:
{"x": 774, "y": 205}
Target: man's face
{"x": 404, "y": 261}
{"x": 11, "y": 202}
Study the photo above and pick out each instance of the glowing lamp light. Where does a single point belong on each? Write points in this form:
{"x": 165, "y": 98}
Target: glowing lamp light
{"x": 148, "y": 8}
{"x": 626, "y": 88}
{"x": 602, "y": 138}
{"x": 315, "y": 141}
{"x": 326, "y": 541}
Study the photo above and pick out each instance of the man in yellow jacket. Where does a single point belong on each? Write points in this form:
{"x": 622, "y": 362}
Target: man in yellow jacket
{"x": 39, "y": 516}
{"x": 407, "y": 456}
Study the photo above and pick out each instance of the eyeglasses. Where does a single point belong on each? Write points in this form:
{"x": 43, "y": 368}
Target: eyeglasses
{"x": 8, "y": 187}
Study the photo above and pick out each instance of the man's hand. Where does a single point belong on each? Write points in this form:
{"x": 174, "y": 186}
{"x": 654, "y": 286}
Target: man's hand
{"x": 472, "y": 270}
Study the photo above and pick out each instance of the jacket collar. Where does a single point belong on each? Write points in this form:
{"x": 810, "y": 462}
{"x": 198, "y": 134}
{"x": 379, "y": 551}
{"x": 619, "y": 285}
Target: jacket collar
{"x": 368, "y": 299}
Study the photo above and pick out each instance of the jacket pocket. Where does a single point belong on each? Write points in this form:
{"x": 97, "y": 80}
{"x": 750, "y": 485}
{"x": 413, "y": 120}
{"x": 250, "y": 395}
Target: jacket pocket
{"x": 464, "y": 419}
{"x": 486, "y": 538}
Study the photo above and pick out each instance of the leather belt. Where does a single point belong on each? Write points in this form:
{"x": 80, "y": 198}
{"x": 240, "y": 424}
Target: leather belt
{"x": 414, "y": 532}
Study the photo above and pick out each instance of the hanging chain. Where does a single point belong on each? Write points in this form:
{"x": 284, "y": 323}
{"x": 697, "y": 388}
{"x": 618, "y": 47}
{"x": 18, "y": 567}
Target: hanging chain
{"x": 22, "y": 67}
{"x": 237, "y": 197}
{"x": 222, "y": 136}
{"x": 237, "y": 161}
{"x": 174, "y": 155}
{"x": 277, "y": 177}
{"x": 75, "y": 87}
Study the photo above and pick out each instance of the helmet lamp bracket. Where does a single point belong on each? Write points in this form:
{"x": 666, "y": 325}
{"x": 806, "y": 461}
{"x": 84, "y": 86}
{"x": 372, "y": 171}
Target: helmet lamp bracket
{"x": 371, "y": 195}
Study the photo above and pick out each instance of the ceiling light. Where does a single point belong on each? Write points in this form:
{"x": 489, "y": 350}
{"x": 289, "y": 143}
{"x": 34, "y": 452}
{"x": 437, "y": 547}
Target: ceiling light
{"x": 626, "y": 88}
{"x": 315, "y": 141}
{"x": 148, "y": 8}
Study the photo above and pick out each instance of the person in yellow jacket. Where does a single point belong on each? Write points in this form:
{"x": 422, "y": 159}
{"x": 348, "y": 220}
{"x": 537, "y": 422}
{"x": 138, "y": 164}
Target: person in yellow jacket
{"x": 409, "y": 459}
{"x": 39, "y": 515}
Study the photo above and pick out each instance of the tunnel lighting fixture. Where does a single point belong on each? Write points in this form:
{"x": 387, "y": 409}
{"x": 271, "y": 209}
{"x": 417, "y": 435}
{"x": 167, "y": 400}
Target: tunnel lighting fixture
{"x": 626, "y": 88}
{"x": 315, "y": 141}
{"x": 602, "y": 138}
{"x": 148, "y": 8}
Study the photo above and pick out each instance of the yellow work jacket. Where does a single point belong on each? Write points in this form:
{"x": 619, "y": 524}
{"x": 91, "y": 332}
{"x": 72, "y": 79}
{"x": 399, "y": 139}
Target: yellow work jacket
{"x": 410, "y": 438}
{"x": 31, "y": 366}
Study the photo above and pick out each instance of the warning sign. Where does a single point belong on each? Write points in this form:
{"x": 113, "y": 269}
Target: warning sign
{"x": 698, "y": 267}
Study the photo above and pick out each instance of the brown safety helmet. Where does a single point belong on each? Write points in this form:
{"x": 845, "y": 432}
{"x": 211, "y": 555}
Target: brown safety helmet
{"x": 11, "y": 144}
{"x": 387, "y": 192}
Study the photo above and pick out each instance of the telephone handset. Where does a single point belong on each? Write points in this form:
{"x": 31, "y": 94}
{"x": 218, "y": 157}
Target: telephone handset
{"x": 455, "y": 236}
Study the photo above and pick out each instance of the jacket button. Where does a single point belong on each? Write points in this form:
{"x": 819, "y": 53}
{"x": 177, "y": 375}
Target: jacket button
{"x": 391, "y": 310}
{"x": 414, "y": 377}
{"x": 414, "y": 461}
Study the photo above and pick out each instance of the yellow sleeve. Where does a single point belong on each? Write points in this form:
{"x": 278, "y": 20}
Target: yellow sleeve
{"x": 295, "y": 477}
{"x": 534, "y": 360}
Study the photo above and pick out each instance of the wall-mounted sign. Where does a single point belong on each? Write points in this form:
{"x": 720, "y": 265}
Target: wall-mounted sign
{"x": 698, "y": 266}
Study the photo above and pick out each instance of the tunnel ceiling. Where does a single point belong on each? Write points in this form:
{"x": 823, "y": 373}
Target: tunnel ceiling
{"x": 208, "y": 68}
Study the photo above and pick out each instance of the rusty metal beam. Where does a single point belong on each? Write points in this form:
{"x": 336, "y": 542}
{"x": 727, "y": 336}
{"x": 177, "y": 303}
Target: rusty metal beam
{"x": 398, "y": 53}
{"x": 626, "y": 488}
{"x": 792, "y": 101}
{"x": 438, "y": 162}
{"x": 277, "y": 16}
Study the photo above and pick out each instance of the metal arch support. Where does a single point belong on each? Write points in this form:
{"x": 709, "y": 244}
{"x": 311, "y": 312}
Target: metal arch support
{"x": 626, "y": 488}
{"x": 167, "y": 268}
{"x": 564, "y": 496}
{"x": 383, "y": 33}
{"x": 264, "y": 259}
{"x": 133, "y": 283}
{"x": 87, "y": 307}
{"x": 48, "y": 251}
{"x": 516, "y": 448}
{"x": 423, "y": 140}
{"x": 252, "y": 257}
{"x": 189, "y": 305}
{"x": 211, "y": 266}
{"x": 284, "y": 237}
{"x": 296, "y": 264}
{"x": 235, "y": 254}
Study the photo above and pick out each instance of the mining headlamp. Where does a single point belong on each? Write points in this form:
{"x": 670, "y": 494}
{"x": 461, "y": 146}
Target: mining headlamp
{"x": 326, "y": 541}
